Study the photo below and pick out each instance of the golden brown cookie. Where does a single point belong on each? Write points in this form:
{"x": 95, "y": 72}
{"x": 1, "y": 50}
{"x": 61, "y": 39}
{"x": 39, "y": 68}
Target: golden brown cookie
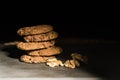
{"x": 33, "y": 59}
{"x": 38, "y": 29}
{"x": 35, "y": 45}
{"x": 41, "y": 37}
{"x": 46, "y": 52}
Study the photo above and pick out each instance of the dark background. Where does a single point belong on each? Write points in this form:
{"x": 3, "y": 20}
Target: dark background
{"x": 69, "y": 20}
{"x": 73, "y": 26}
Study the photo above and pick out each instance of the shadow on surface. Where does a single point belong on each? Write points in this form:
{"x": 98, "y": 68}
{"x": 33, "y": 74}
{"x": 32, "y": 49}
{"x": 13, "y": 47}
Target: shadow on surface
{"x": 103, "y": 58}
{"x": 13, "y": 51}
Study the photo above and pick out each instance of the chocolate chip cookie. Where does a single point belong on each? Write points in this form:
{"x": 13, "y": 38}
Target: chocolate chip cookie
{"x": 34, "y": 59}
{"x": 46, "y": 52}
{"x": 41, "y": 37}
{"x": 35, "y": 45}
{"x": 38, "y": 29}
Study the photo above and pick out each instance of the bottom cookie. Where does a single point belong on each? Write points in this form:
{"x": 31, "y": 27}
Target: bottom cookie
{"x": 33, "y": 59}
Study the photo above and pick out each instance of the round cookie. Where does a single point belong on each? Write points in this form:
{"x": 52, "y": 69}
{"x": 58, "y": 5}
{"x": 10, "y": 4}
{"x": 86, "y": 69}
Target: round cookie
{"x": 41, "y": 37}
{"x": 33, "y": 59}
{"x": 38, "y": 29}
{"x": 35, "y": 45}
{"x": 46, "y": 52}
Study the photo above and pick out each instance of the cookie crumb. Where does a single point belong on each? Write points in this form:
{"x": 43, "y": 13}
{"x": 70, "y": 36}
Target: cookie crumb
{"x": 54, "y": 62}
{"x": 69, "y": 64}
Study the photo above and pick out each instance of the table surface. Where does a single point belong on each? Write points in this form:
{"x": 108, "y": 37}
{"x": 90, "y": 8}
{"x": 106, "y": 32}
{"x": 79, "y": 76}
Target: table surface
{"x": 10, "y": 66}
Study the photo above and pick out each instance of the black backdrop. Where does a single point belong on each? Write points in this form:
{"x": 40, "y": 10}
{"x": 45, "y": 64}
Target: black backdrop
{"x": 66, "y": 26}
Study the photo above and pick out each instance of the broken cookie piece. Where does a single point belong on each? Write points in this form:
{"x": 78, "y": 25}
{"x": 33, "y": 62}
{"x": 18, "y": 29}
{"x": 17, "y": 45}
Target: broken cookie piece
{"x": 79, "y": 57}
{"x": 69, "y": 64}
{"x": 76, "y": 63}
{"x": 54, "y": 62}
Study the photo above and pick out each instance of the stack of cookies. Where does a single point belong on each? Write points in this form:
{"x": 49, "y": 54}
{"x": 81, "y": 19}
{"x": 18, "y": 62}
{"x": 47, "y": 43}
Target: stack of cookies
{"x": 38, "y": 43}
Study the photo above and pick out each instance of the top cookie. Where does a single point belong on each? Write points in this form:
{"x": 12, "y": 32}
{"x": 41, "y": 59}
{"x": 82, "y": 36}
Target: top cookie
{"x": 38, "y": 29}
